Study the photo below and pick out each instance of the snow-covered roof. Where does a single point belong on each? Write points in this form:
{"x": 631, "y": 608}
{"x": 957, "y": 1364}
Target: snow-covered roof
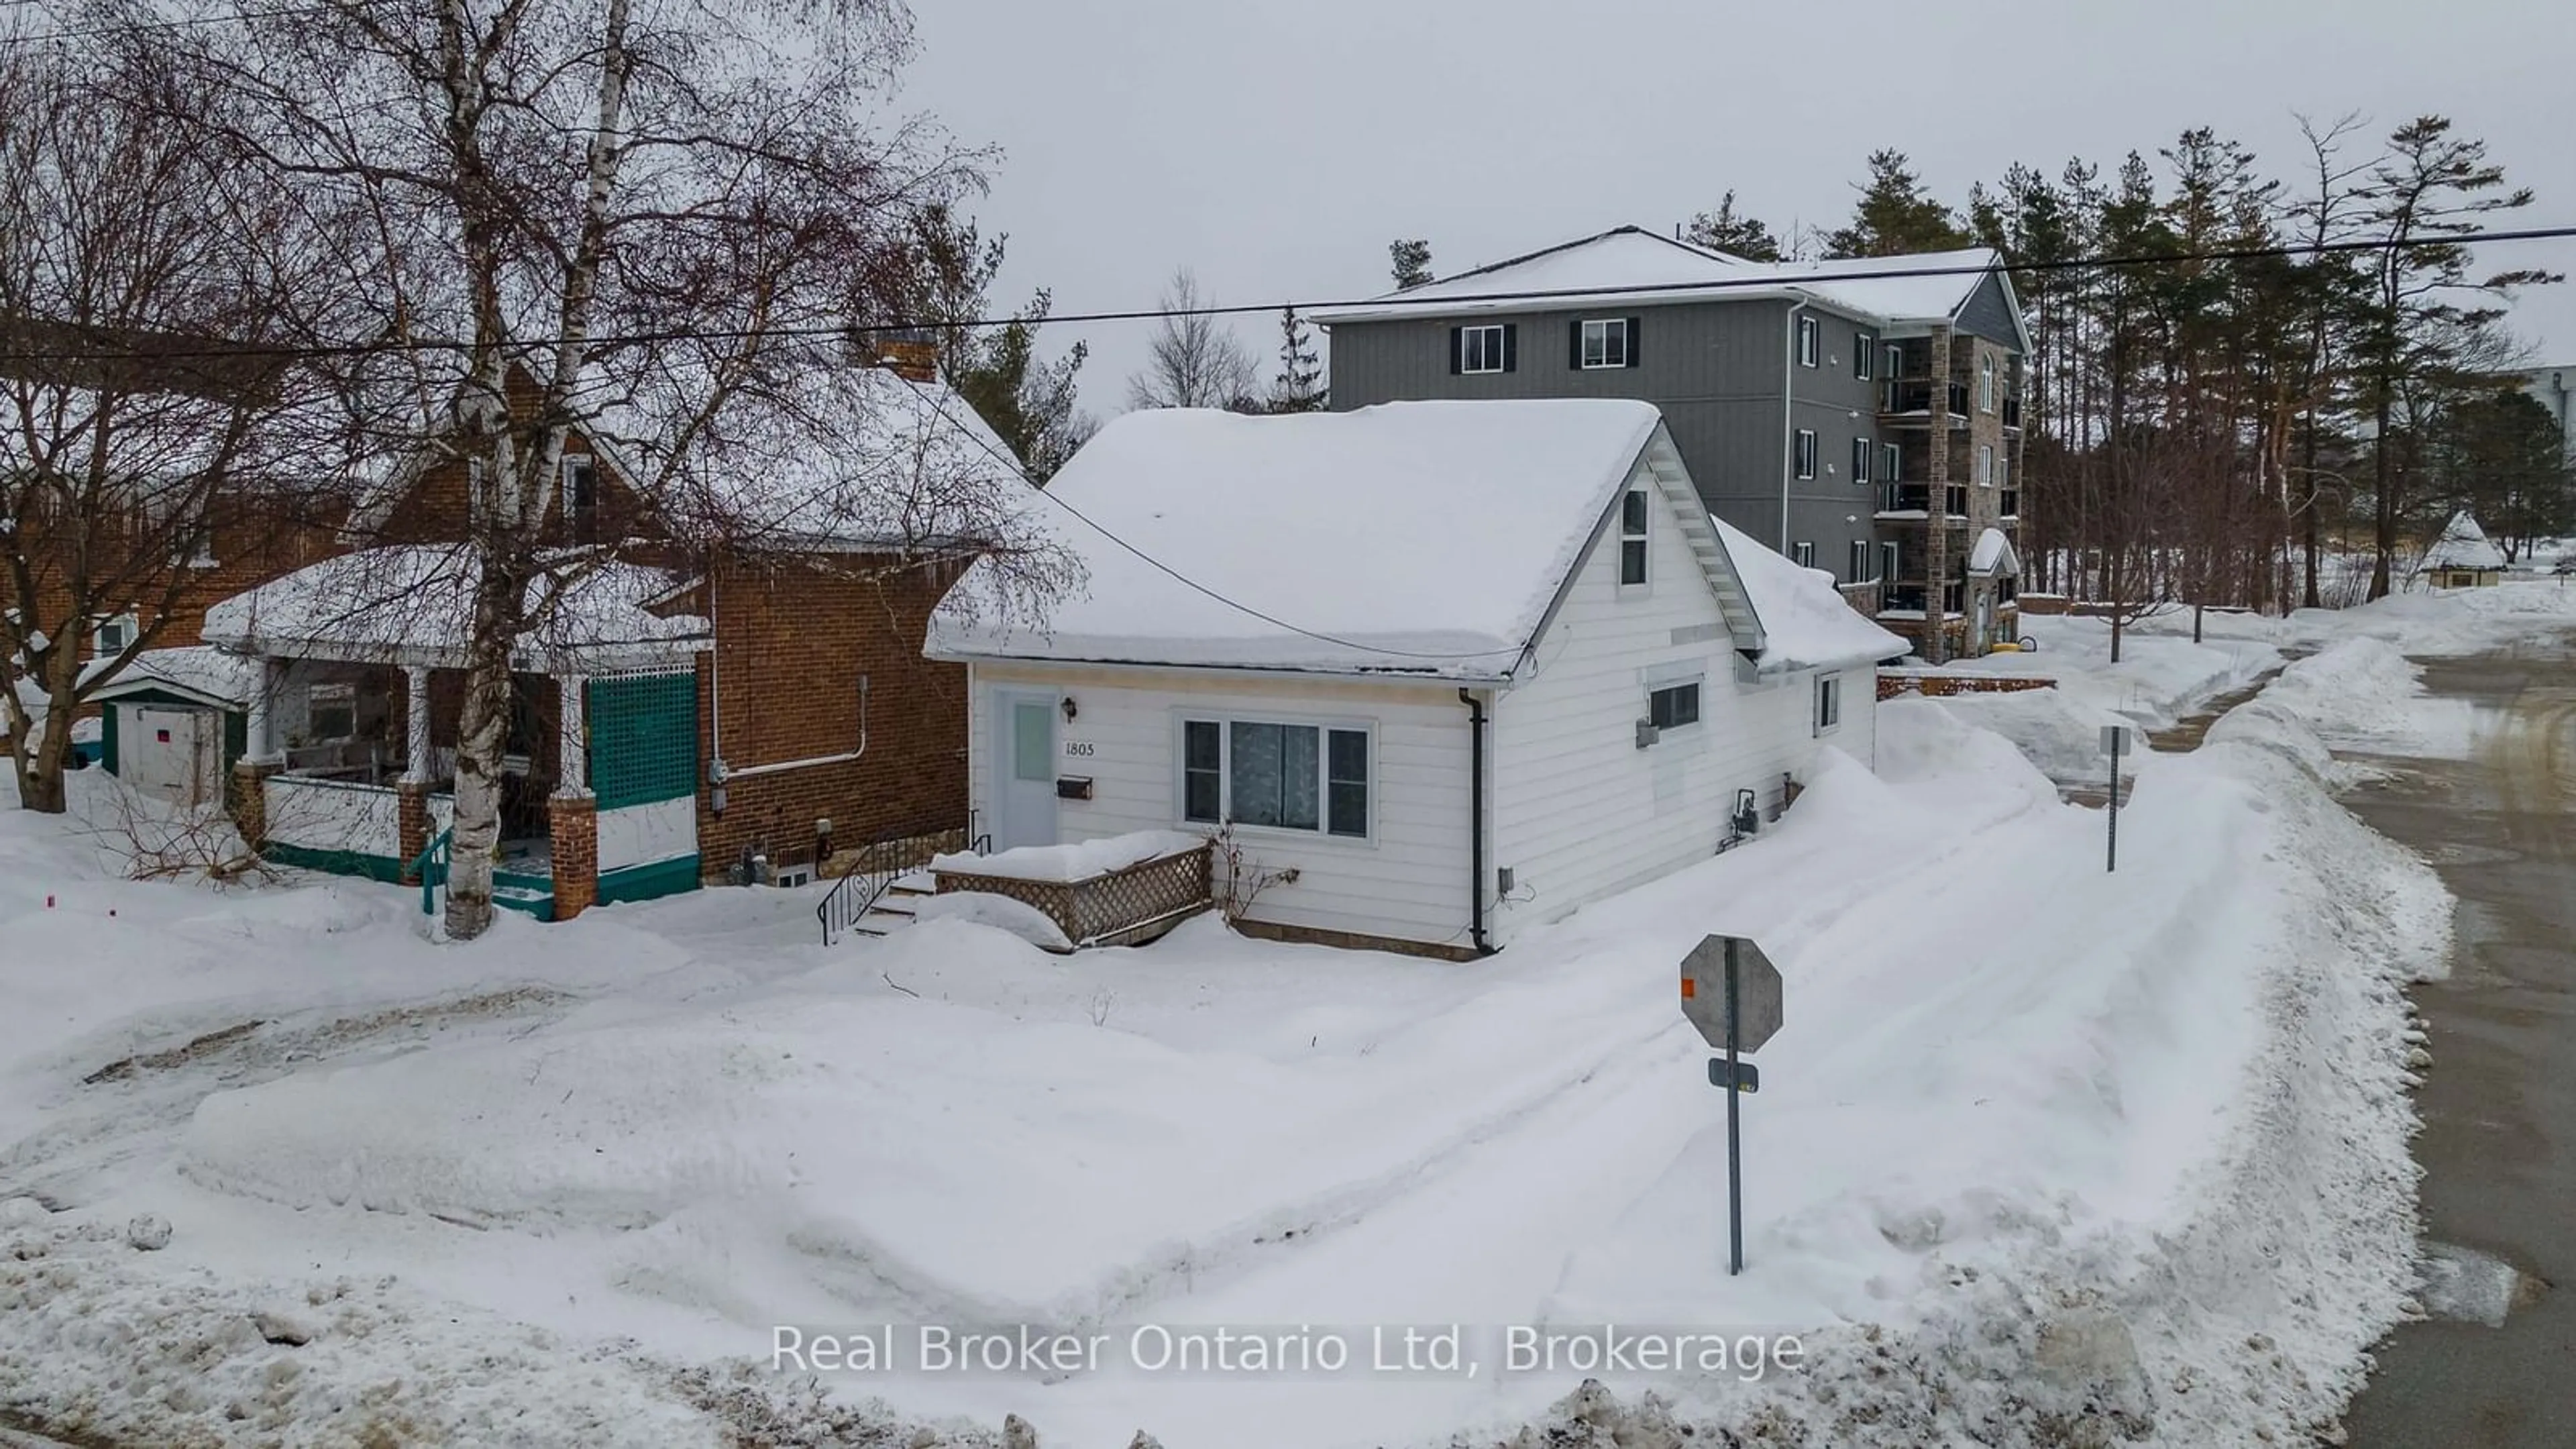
{"x": 1630, "y": 266}
{"x": 825, "y": 456}
{"x": 1805, "y": 622}
{"x": 2463, "y": 545}
{"x": 412, "y": 604}
{"x": 1414, "y": 537}
{"x": 1993, "y": 553}
{"x": 206, "y": 675}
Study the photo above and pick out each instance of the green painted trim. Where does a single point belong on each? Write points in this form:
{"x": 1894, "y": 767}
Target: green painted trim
{"x": 335, "y": 862}
{"x": 644, "y": 882}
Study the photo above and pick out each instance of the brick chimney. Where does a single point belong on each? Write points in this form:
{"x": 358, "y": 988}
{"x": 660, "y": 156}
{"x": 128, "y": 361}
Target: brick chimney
{"x": 909, "y": 354}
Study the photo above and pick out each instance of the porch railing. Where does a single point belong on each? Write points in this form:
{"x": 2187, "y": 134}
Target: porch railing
{"x": 431, "y": 866}
{"x": 878, "y": 865}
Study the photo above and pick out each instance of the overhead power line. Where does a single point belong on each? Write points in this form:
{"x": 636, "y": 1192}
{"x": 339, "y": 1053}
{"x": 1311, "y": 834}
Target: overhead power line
{"x": 176, "y": 22}
{"x": 1770, "y": 277}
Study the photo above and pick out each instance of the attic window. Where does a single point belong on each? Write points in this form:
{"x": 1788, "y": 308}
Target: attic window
{"x": 1633, "y": 514}
{"x": 111, "y": 634}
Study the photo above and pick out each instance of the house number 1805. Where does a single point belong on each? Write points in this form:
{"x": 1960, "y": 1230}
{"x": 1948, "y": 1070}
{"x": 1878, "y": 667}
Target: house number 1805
{"x": 1077, "y": 749}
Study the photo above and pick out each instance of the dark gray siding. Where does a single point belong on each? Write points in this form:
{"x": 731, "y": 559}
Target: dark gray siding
{"x": 1716, "y": 371}
{"x": 1989, "y": 314}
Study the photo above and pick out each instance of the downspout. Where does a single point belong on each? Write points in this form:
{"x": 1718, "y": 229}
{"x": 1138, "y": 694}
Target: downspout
{"x": 1476, "y": 720}
{"x": 1788, "y": 420}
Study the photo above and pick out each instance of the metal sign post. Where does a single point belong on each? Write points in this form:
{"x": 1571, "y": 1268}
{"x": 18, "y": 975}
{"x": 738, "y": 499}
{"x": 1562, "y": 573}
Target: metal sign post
{"x": 1731, "y": 993}
{"x": 2116, "y": 741}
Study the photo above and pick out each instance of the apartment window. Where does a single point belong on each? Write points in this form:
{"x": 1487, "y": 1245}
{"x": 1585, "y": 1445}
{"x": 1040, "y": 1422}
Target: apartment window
{"x": 1605, "y": 342}
{"x": 1954, "y": 597}
{"x": 1805, "y": 458}
{"x": 1861, "y": 449}
{"x": 1491, "y": 347}
{"x": 1986, "y": 465}
{"x": 1888, "y": 454}
{"x": 1986, "y": 383}
{"x": 1278, "y": 776}
{"x": 1673, "y": 706}
{"x": 1887, "y": 560}
{"x": 1634, "y": 510}
{"x": 1864, "y": 352}
{"x": 1895, "y": 362}
{"x": 330, "y": 711}
{"x": 1859, "y": 565}
{"x": 112, "y": 634}
{"x": 1810, "y": 338}
{"x": 1829, "y": 702}
{"x": 1803, "y": 554}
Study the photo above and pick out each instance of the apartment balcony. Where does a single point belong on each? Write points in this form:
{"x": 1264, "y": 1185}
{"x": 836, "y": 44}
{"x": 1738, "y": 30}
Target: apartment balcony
{"x": 1901, "y": 597}
{"x": 2010, "y": 503}
{"x": 1914, "y": 500}
{"x": 1910, "y": 398}
{"x": 2012, "y": 415}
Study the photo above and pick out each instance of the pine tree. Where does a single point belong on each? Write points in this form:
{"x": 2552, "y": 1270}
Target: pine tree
{"x": 1411, "y": 262}
{"x": 1725, "y": 231}
{"x": 1894, "y": 216}
{"x": 1029, "y": 403}
{"x": 1299, "y": 385}
{"x": 2430, "y": 323}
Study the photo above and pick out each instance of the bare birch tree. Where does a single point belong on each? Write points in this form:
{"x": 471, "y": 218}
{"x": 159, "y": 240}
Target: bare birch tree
{"x": 552, "y": 205}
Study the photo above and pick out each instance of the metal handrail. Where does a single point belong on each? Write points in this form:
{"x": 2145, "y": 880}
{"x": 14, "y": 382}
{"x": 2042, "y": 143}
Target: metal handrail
{"x": 431, "y": 865}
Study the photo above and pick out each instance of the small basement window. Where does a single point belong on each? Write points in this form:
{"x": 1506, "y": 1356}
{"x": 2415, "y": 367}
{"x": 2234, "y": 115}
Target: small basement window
{"x": 1829, "y": 702}
{"x": 1634, "y": 511}
{"x": 1278, "y": 776}
{"x": 1673, "y": 706}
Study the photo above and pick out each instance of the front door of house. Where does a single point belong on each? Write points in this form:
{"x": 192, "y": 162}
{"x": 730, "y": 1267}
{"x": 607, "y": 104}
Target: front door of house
{"x": 1024, "y": 769}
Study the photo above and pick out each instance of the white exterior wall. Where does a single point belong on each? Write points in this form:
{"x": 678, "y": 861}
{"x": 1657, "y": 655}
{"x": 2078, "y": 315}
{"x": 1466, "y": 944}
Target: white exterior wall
{"x": 1579, "y": 811}
{"x": 644, "y": 834}
{"x": 1408, "y": 881}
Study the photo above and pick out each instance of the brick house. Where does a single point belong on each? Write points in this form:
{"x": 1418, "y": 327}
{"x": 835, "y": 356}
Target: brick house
{"x": 735, "y": 691}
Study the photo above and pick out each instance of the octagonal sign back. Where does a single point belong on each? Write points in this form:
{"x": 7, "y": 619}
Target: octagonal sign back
{"x": 1757, "y": 992}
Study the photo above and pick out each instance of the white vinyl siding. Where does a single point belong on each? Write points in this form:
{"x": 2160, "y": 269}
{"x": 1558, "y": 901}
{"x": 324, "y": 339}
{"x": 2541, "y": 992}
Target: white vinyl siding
{"x": 1406, "y": 881}
{"x": 1579, "y": 810}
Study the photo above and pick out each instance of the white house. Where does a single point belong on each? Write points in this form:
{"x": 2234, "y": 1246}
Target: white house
{"x": 1462, "y": 666}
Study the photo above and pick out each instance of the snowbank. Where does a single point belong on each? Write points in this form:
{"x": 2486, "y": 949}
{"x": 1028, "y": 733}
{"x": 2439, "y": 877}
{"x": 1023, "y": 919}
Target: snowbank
{"x": 2055, "y": 728}
{"x": 1079, "y": 861}
{"x": 2362, "y": 694}
{"x": 2158, "y": 680}
{"x": 1000, "y": 913}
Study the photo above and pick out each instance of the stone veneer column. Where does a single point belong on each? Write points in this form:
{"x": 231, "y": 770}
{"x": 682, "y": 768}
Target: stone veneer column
{"x": 250, "y": 798}
{"x": 573, "y": 822}
{"x": 411, "y": 827}
{"x": 1936, "y": 506}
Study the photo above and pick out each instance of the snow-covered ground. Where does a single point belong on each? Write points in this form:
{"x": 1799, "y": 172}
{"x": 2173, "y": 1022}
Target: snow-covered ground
{"x": 2038, "y": 1145}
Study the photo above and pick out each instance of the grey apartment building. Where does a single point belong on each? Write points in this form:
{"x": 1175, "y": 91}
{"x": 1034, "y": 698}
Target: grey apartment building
{"x": 1863, "y": 417}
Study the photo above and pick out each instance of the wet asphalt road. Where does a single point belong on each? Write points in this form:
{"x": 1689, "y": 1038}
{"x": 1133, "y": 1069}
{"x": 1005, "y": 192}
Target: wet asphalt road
{"x": 2499, "y": 1106}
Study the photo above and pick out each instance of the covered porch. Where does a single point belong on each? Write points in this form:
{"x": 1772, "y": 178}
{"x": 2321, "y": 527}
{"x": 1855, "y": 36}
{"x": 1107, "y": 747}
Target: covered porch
{"x": 354, "y": 730}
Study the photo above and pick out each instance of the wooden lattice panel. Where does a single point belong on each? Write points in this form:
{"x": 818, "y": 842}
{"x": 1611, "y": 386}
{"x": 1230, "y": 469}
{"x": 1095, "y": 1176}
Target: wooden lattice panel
{"x": 1104, "y": 907}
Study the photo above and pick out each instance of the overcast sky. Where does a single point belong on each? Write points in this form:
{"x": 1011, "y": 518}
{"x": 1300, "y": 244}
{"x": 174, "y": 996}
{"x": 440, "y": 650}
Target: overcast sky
{"x": 1276, "y": 148}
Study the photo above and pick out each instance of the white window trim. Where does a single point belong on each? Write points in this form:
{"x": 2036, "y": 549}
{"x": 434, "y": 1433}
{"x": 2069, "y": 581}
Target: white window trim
{"x": 1183, "y": 716}
{"x": 1803, "y": 553}
{"x": 1985, "y": 465}
{"x": 1887, "y": 554}
{"x": 1986, "y": 382}
{"x": 1894, "y": 457}
{"x": 1493, "y": 353}
{"x": 1802, "y": 454}
{"x": 1864, "y": 456}
{"x": 1620, "y": 534}
{"x": 1652, "y": 687}
{"x": 1865, "y": 356}
{"x": 130, "y": 621}
{"x": 1828, "y": 685}
{"x": 1811, "y": 340}
{"x": 1860, "y": 551}
{"x": 1604, "y": 324}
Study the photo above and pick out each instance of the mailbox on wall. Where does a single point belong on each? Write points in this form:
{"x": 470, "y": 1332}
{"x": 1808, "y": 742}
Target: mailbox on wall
{"x": 1073, "y": 787}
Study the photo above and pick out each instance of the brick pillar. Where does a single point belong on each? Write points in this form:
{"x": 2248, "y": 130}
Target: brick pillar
{"x": 250, "y": 799}
{"x": 573, "y": 820}
{"x": 411, "y": 827}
